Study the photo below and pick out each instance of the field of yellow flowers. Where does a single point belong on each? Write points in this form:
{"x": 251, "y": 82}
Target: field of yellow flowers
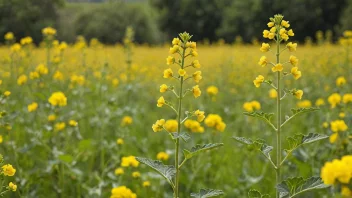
{"x": 73, "y": 118}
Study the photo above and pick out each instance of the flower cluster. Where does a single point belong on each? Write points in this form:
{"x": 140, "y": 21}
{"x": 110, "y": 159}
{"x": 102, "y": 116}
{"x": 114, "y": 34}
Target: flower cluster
{"x": 122, "y": 192}
{"x": 129, "y": 161}
{"x": 251, "y": 106}
{"x": 9, "y": 171}
{"x": 215, "y": 121}
{"x": 58, "y": 99}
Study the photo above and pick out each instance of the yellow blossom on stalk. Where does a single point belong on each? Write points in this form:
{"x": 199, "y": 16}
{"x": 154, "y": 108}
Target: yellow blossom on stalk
{"x": 272, "y": 93}
{"x": 265, "y": 47}
{"x": 119, "y": 171}
{"x": 319, "y": 102}
{"x": 194, "y": 53}
{"x": 290, "y": 33}
{"x": 196, "y": 64}
{"x": 197, "y": 76}
{"x": 161, "y": 102}
{"x": 129, "y": 161}
{"x": 15, "y": 47}
{"x": 277, "y": 68}
{"x": 194, "y": 126}
{"x": 170, "y": 60}
{"x": 295, "y": 73}
{"x": 162, "y": 156}
{"x": 12, "y": 186}
{"x": 73, "y": 123}
{"x": 126, "y": 120}
{"x": 200, "y": 115}
{"x": 337, "y": 171}
{"x": 34, "y": 75}
{"x": 168, "y": 73}
{"x": 182, "y": 72}
{"x": 163, "y": 88}
{"x": 42, "y": 69}
{"x": 146, "y": 184}
{"x": 58, "y": 99}
{"x": 32, "y": 107}
{"x": 174, "y": 49}
{"x": 192, "y": 45}
{"x": 196, "y": 91}
{"x": 176, "y": 41}
{"x": 298, "y": 94}
{"x": 334, "y": 99}
{"x": 258, "y": 81}
{"x": 9, "y": 36}
{"x": 58, "y": 75}
{"x": 122, "y": 192}
{"x": 171, "y": 126}
{"x": 291, "y": 46}
{"x": 273, "y": 29}
{"x": 26, "y": 40}
{"x": 136, "y": 174}
{"x": 8, "y": 170}
{"x": 263, "y": 61}
{"x": 60, "y": 126}
{"x": 325, "y": 124}
{"x": 115, "y": 82}
{"x": 251, "y": 106}
{"x": 212, "y": 90}
{"x": 345, "y": 191}
{"x": 340, "y": 81}
{"x": 293, "y": 60}
{"x": 342, "y": 115}
{"x": 77, "y": 79}
{"x": 271, "y": 35}
{"x": 266, "y": 33}
{"x": 271, "y": 24}
{"x": 159, "y": 125}
{"x": 48, "y": 31}
{"x": 338, "y": 126}
{"x": 51, "y": 117}
{"x": 215, "y": 121}
{"x": 347, "y": 98}
{"x": 7, "y": 93}
{"x": 119, "y": 141}
{"x": 22, "y": 79}
{"x": 285, "y": 24}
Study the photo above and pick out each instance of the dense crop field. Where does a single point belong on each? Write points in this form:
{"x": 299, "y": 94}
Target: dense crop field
{"x": 75, "y": 112}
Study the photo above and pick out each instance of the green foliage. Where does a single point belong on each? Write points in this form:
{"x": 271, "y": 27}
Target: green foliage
{"x": 183, "y": 135}
{"x": 300, "y": 139}
{"x": 263, "y": 116}
{"x": 109, "y": 21}
{"x": 200, "y": 148}
{"x": 205, "y": 193}
{"x": 294, "y": 186}
{"x": 256, "y": 194}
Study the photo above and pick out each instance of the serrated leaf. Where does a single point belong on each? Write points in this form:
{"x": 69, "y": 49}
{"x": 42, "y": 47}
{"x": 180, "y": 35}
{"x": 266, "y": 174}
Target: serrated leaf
{"x": 183, "y": 135}
{"x": 258, "y": 144}
{"x": 256, "y": 194}
{"x": 297, "y": 185}
{"x": 205, "y": 193}
{"x": 200, "y": 148}
{"x": 167, "y": 171}
{"x": 298, "y": 111}
{"x": 300, "y": 139}
{"x": 243, "y": 140}
{"x": 261, "y": 115}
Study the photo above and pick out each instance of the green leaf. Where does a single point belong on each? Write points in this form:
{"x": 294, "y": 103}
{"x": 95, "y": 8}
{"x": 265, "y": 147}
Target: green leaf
{"x": 294, "y": 186}
{"x": 183, "y": 135}
{"x": 258, "y": 144}
{"x": 256, "y": 194}
{"x": 66, "y": 158}
{"x": 243, "y": 140}
{"x": 84, "y": 144}
{"x": 300, "y": 139}
{"x": 200, "y": 148}
{"x": 263, "y": 116}
{"x": 205, "y": 193}
{"x": 167, "y": 171}
{"x": 298, "y": 111}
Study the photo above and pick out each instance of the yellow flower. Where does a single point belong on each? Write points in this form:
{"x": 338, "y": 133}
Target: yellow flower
{"x": 60, "y": 126}
{"x": 194, "y": 126}
{"x": 182, "y": 72}
{"x": 122, "y": 192}
{"x": 158, "y": 126}
{"x": 8, "y": 170}
{"x": 212, "y": 90}
{"x": 291, "y": 46}
{"x": 174, "y": 49}
{"x": 338, "y": 126}
{"x": 12, "y": 186}
{"x": 325, "y": 124}
{"x": 277, "y": 68}
{"x": 15, "y": 47}
{"x": 334, "y": 99}
{"x": 1, "y": 139}
{"x": 168, "y": 73}
{"x": 293, "y": 60}
{"x": 193, "y": 45}
{"x": 115, "y": 82}
{"x": 136, "y": 174}
{"x": 285, "y": 24}
{"x": 215, "y": 121}
{"x": 161, "y": 102}
{"x": 58, "y": 75}
{"x": 272, "y": 93}
{"x": 7, "y": 93}
{"x": 347, "y": 98}
{"x": 304, "y": 104}
{"x": 197, "y": 76}
{"x": 265, "y": 47}
{"x": 273, "y": 29}
{"x": 129, "y": 161}
{"x": 271, "y": 24}
{"x": 296, "y": 74}
{"x": 171, "y": 126}
{"x": 26, "y": 40}
{"x": 42, "y": 69}
{"x": 22, "y": 79}
{"x": 290, "y": 32}
{"x": 258, "y": 81}
{"x": 51, "y": 117}
{"x": 9, "y": 36}
{"x": 33, "y": 75}
{"x": 170, "y": 60}
{"x": 48, "y": 31}
{"x": 282, "y": 31}
{"x": 266, "y": 33}
{"x": 32, "y": 107}
{"x": 126, "y": 120}
{"x": 119, "y": 171}
{"x": 284, "y": 37}
{"x": 196, "y": 91}
{"x": 162, "y": 156}
{"x": 163, "y": 88}
{"x": 200, "y": 115}
{"x": 146, "y": 184}
{"x": 251, "y": 106}
{"x": 176, "y": 41}
{"x": 194, "y": 53}
{"x": 73, "y": 123}
{"x": 345, "y": 191}
{"x": 196, "y": 64}
{"x": 58, "y": 99}
{"x": 298, "y": 94}
{"x": 263, "y": 61}
{"x": 342, "y": 115}
{"x": 119, "y": 141}
{"x": 340, "y": 81}
{"x": 271, "y": 35}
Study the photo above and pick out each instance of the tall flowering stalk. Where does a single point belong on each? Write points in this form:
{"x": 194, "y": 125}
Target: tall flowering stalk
{"x": 291, "y": 187}
{"x": 182, "y": 48}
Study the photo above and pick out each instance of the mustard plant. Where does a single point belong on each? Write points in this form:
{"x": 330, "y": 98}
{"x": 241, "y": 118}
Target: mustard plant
{"x": 183, "y": 48}
{"x": 128, "y": 43}
{"x": 291, "y": 187}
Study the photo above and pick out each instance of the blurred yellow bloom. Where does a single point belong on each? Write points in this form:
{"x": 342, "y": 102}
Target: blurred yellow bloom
{"x": 42, "y": 69}
{"x": 7, "y": 93}
{"x": 51, "y": 117}
{"x": 129, "y": 161}
{"x": 251, "y": 106}
{"x": 122, "y": 192}
{"x": 73, "y": 123}
{"x": 338, "y": 126}
{"x": 161, "y": 102}
{"x": 340, "y": 81}
{"x": 163, "y": 88}
{"x": 337, "y": 170}
{"x": 272, "y": 93}
{"x": 298, "y": 94}
{"x": 277, "y": 68}
{"x": 176, "y": 41}
{"x": 162, "y": 156}
{"x": 33, "y": 75}
{"x": 58, "y": 99}
{"x": 200, "y": 115}
{"x": 197, "y": 76}
{"x": 171, "y": 125}
{"x": 334, "y": 99}
{"x": 12, "y": 186}
{"x": 60, "y": 126}
{"x": 347, "y": 98}
{"x": 263, "y": 61}
{"x": 119, "y": 171}
{"x": 265, "y": 47}
{"x": 182, "y": 72}
{"x": 295, "y": 73}
{"x": 48, "y": 31}
{"x": 170, "y": 60}
{"x": 271, "y": 24}
{"x": 196, "y": 91}
{"x": 212, "y": 90}
{"x": 15, "y": 47}
{"x": 304, "y": 104}
{"x": 325, "y": 124}
{"x": 136, "y": 174}
{"x": 342, "y": 115}
{"x": 194, "y": 126}
{"x": 168, "y": 73}
{"x": 119, "y": 141}
{"x": 126, "y": 120}
{"x": 319, "y": 102}
{"x": 290, "y": 32}
{"x": 9, "y": 36}
{"x": 26, "y": 40}
{"x": 266, "y": 33}
{"x": 1, "y": 139}
{"x": 285, "y": 24}
{"x": 158, "y": 126}
{"x": 174, "y": 49}
{"x": 32, "y": 107}
{"x": 291, "y": 46}
{"x": 58, "y": 76}
{"x": 215, "y": 121}
{"x": 258, "y": 81}
{"x": 22, "y": 79}
{"x": 293, "y": 60}
{"x": 8, "y": 170}
{"x": 146, "y": 184}
{"x": 196, "y": 64}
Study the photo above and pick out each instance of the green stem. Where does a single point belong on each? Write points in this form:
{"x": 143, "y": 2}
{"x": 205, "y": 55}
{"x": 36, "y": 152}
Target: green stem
{"x": 176, "y": 195}
{"x": 278, "y": 127}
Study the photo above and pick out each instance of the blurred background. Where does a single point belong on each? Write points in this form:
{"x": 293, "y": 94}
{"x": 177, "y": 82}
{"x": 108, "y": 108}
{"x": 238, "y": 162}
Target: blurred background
{"x": 156, "y": 21}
